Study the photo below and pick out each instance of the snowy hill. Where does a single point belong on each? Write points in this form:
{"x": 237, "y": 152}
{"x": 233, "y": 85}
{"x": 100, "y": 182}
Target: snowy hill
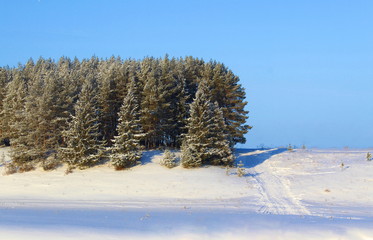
{"x": 282, "y": 196}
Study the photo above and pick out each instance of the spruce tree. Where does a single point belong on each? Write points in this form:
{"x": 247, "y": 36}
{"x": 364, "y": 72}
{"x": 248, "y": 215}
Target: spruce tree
{"x": 53, "y": 109}
{"x": 14, "y": 124}
{"x": 219, "y": 152}
{"x": 230, "y": 96}
{"x": 13, "y": 105}
{"x": 83, "y": 146}
{"x": 40, "y": 111}
{"x": 166, "y": 101}
{"x": 25, "y": 144}
{"x": 3, "y": 83}
{"x": 151, "y": 102}
{"x": 108, "y": 115}
{"x": 126, "y": 151}
{"x": 44, "y": 115}
{"x": 175, "y": 107}
{"x": 205, "y": 142}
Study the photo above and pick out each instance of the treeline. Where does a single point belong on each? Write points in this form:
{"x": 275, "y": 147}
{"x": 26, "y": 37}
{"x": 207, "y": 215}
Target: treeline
{"x": 82, "y": 112}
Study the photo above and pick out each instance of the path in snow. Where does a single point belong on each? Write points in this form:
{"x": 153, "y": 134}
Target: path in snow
{"x": 276, "y": 197}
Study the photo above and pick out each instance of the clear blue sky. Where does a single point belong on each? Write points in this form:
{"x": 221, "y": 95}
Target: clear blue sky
{"x": 307, "y": 66}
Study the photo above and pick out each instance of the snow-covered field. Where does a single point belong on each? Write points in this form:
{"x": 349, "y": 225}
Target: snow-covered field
{"x": 304, "y": 194}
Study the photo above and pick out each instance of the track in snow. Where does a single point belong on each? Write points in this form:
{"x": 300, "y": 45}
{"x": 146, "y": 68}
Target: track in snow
{"x": 276, "y": 197}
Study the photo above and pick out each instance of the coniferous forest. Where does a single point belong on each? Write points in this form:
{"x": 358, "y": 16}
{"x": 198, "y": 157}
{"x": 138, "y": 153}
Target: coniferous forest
{"x": 96, "y": 110}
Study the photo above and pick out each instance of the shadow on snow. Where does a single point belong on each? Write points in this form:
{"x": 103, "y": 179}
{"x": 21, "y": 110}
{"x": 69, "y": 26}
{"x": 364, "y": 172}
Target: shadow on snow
{"x": 254, "y": 157}
{"x": 147, "y": 156}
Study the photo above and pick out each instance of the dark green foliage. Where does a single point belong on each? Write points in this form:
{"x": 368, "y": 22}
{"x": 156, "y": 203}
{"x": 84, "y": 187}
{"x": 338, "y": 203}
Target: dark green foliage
{"x": 50, "y": 115}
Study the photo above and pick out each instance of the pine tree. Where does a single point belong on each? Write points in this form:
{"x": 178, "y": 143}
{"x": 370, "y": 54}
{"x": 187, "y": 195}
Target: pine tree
{"x": 3, "y": 83}
{"x": 42, "y": 119}
{"x": 45, "y": 106}
{"x": 192, "y": 71}
{"x": 13, "y": 105}
{"x": 14, "y": 124}
{"x": 175, "y": 112}
{"x": 230, "y": 96}
{"x": 190, "y": 154}
{"x": 167, "y": 98}
{"x": 53, "y": 110}
{"x": 151, "y": 103}
{"x": 181, "y": 111}
{"x": 219, "y": 150}
{"x": 84, "y": 149}
{"x": 205, "y": 142}
{"x": 126, "y": 149}
{"x": 108, "y": 114}
{"x": 25, "y": 149}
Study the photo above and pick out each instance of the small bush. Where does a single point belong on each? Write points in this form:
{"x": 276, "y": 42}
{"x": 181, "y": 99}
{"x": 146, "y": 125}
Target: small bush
{"x": 227, "y": 170}
{"x": 69, "y": 169}
{"x": 190, "y": 158}
{"x": 26, "y": 167}
{"x": 2, "y": 160}
{"x": 369, "y": 156}
{"x": 169, "y": 159}
{"x": 50, "y": 163}
{"x": 10, "y": 168}
{"x": 126, "y": 160}
{"x": 240, "y": 170}
{"x": 342, "y": 165}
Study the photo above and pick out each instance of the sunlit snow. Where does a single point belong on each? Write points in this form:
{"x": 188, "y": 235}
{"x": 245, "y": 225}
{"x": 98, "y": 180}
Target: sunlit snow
{"x": 305, "y": 194}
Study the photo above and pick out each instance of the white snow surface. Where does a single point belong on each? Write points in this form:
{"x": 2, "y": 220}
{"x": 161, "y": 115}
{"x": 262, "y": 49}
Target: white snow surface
{"x": 303, "y": 194}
